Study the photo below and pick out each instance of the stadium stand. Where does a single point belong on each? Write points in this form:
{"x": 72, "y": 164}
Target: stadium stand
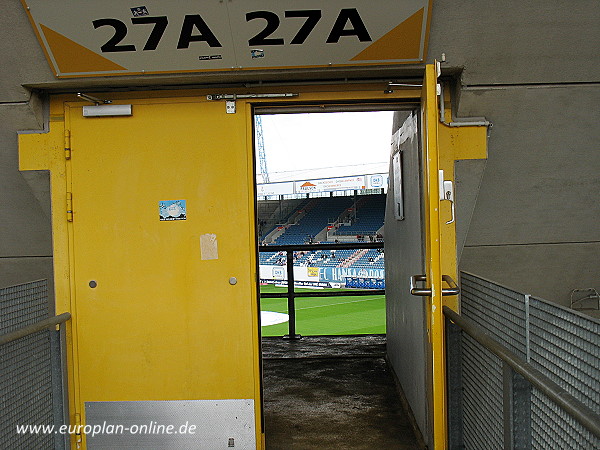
{"x": 312, "y": 218}
{"x": 369, "y": 217}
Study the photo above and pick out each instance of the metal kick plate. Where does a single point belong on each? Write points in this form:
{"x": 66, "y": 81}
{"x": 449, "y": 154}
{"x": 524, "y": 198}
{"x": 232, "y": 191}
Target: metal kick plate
{"x": 173, "y": 424}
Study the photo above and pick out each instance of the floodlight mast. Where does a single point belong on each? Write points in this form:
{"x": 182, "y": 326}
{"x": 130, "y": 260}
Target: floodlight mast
{"x": 260, "y": 142}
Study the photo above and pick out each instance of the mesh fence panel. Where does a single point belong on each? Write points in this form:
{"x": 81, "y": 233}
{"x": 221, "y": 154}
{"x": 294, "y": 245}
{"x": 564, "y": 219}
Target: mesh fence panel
{"x": 500, "y": 311}
{"x": 482, "y": 397}
{"x": 25, "y": 368}
{"x": 562, "y": 344}
{"x": 553, "y": 428}
{"x": 565, "y": 347}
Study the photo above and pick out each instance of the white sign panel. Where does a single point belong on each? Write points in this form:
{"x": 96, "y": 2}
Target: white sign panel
{"x": 331, "y": 184}
{"x": 280, "y": 273}
{"x": 377, "y": 181}
{"x": 114, "y": 37}
{"x": 275, "y": 188}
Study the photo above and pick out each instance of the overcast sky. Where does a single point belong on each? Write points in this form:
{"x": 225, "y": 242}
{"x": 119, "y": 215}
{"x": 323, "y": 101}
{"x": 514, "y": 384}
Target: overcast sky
{"x": 306, "y": 146}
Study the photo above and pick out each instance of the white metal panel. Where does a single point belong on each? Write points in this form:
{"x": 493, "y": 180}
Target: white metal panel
{"x": 109, "y": 37}
{"x": 194, "y": 424}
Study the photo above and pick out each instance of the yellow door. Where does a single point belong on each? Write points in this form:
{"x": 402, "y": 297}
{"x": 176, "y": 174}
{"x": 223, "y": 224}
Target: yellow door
{"x": 415, "y": 236}
{"x": 163, "y": 261}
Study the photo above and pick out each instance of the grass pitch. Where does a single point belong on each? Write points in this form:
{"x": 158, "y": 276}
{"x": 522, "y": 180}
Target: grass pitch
{"x": 327, "y": 315}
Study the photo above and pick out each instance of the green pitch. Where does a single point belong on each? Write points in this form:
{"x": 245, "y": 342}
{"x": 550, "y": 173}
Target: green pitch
{"x": 327, "y": 315}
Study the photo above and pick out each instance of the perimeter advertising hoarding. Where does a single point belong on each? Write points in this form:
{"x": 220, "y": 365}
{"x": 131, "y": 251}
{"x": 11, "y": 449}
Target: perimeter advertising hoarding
{"x": 325, "y": 276}
{"x": 113, "y": 37}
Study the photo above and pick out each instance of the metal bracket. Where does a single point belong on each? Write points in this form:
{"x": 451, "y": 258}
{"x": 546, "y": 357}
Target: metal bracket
{"x": 96, "y": 101}
{"x": 392, "y": 84}
{"x": 447, "y": 193}
{"x": 230, "y": 99}
{"x": 230, "y": 106}
{"x": 459, "y": 122}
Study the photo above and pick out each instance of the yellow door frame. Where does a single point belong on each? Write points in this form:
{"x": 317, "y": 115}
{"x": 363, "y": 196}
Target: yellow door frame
{"x": 443, "y": 145}
{"x": 51, "y": 151}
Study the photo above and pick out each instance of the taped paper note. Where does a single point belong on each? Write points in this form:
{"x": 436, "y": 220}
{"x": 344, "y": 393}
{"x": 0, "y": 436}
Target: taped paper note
{"x": 208, "y": 247}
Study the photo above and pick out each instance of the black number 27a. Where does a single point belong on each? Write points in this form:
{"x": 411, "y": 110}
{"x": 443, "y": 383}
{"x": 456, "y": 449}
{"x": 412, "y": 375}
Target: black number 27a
{"x": 262, "y": 38}
{"x": 112, "y": 45}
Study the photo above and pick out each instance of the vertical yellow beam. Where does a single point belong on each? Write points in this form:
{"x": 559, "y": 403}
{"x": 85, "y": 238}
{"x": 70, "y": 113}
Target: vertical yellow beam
{"x": 260, "y": 436}
{"x": 52, "y": 151}
{"x": 433, "y": 255}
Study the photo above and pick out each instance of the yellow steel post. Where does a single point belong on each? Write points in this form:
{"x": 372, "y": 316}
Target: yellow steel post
{"x": 443, "y": 145}
{"x": 433, "y": 258}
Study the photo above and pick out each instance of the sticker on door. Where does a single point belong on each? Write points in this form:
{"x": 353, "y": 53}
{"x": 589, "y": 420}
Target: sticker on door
{"x": 172, "y": 210}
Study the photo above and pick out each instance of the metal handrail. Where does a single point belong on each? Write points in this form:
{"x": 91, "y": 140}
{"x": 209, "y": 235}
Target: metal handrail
{"x": 34, "y": 328}
{"x": 321, "y": 246}
{"x": 582, "y": 413}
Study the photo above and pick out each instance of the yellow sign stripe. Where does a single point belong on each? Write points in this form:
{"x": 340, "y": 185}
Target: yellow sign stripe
{"x": 72, "y": 57}
{"x": 402, "y": 42}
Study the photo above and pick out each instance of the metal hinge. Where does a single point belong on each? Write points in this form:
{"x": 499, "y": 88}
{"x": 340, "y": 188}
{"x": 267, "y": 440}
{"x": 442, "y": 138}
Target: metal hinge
{"x": 231, "y": 98}
{"x": 69, "y": 207}
{"x": 78, "y": 438}
{"x": 67, "y": 144}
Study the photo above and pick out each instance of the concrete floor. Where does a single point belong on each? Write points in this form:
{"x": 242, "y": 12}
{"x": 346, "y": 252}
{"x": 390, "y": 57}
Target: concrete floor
{"x": 333, "y": 392}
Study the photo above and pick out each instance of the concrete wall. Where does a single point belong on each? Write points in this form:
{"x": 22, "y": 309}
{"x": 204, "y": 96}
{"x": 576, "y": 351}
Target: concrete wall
{"x": 529, "y": 67}
{"x": 25, "y": 230}
{"x": 535, "y": 223}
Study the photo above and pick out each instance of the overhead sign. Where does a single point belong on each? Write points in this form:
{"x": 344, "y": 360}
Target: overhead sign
{"x": 114, "y": 37}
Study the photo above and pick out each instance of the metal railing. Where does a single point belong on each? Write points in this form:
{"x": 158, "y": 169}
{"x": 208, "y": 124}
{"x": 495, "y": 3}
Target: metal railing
{"x": 560, "y": 396}
{"x": 34, "y": 328}
{"x": 291, "y": 293}
{"x": 31, "y": 367}
{"x": 522, "y": 372}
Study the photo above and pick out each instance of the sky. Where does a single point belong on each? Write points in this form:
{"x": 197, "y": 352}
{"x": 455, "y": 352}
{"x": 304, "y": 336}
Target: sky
{"x": 321, "y": 145}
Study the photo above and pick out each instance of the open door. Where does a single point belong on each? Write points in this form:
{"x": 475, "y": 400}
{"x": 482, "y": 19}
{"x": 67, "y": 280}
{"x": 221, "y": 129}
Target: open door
{"x": 420, "y": 260}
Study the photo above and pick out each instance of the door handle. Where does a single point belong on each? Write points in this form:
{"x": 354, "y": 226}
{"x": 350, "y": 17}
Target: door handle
{"x": 414, "y": 290}
{"x": 426, "y": 292}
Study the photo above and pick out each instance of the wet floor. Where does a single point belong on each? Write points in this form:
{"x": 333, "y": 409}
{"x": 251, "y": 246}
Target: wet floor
{"x": 332, "y": 392}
